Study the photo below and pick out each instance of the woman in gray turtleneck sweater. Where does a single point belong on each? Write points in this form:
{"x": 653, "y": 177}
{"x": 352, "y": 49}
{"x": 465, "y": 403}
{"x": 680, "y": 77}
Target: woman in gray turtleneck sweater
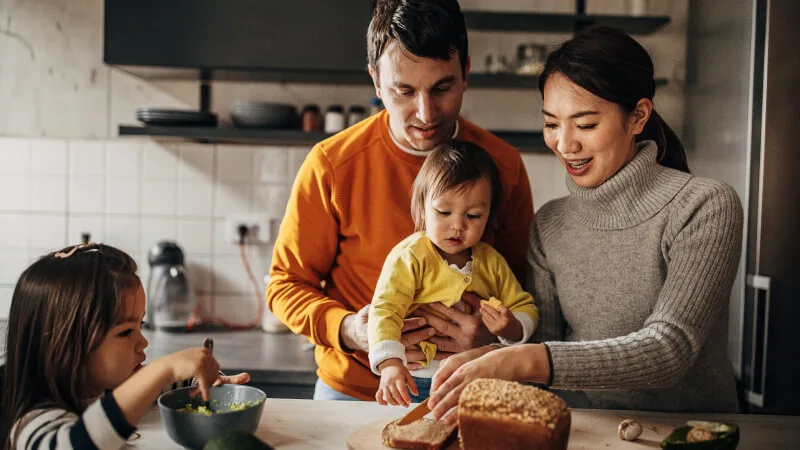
{"x": 632, "y": 271}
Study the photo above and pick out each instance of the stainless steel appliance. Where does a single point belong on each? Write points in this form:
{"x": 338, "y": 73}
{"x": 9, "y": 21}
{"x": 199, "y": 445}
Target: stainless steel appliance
{"x": 743, "y": 104}
{"x": 170, "y": 298}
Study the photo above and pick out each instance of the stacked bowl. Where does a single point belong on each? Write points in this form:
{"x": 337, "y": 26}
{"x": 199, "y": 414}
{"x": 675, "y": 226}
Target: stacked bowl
{"x": 252, "y": 114}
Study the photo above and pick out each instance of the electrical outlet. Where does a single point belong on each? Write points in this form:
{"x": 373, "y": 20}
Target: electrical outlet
{"x": 258, "y": 228}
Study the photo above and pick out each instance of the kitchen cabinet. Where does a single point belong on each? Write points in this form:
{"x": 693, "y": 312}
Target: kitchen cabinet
{"x": 303, "y": 41}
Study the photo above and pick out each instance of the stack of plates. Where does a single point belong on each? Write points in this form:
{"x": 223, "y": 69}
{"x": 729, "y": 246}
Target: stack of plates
{"x": 249, "y": 114}
{"x": 161, "y": 116}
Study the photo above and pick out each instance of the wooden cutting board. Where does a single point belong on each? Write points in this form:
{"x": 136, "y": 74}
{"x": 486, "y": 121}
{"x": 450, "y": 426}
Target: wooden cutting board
{"x": 589, "y": 431}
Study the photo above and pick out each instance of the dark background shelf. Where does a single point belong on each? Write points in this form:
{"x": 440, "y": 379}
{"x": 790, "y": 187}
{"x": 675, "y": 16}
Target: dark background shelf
{"x": 559, "y": 23}
{"x": 256, "y": 40}
{"x": 525, "y": 141}
{"x": 476, "y": 80}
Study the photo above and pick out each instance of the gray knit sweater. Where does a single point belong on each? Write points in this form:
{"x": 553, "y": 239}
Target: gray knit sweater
{"x": 632, "y": 280}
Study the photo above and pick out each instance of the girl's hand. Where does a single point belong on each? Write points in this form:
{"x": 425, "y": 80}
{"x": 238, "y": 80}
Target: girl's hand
{"x": 501, "y": 322}
{"x": 197, "y": 363}
{"x": 394, "y": 379}
{"x": 521, "y": 362}
{"x": 239, "y": 378}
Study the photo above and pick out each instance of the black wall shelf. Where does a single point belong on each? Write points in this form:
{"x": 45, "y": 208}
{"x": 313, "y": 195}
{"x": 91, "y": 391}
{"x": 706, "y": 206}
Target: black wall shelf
{"x": 476, "y": 80}
{"x": 559, "y": 23}
{"x": 525, "y": 141}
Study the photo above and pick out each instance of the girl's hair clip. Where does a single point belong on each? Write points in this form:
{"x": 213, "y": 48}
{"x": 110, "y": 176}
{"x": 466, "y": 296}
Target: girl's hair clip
{"x": 89, "y": 248}
{"x": 61, "y": 255}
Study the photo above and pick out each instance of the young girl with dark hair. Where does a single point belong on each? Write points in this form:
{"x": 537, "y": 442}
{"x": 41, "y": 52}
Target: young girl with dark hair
{"x": 74, "y": 352}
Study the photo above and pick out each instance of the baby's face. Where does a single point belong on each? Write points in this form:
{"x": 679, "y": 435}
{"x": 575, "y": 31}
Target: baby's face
{"x": 455, "y": 220}
{"x": 122, "y": 351}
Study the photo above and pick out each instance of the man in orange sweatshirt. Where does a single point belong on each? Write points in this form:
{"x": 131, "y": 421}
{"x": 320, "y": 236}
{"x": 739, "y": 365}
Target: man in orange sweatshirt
{"x": 350, "y": 203}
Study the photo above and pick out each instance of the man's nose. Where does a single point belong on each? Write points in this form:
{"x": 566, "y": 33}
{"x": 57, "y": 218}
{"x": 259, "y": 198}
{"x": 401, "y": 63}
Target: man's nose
{"x": 426, "y": 108}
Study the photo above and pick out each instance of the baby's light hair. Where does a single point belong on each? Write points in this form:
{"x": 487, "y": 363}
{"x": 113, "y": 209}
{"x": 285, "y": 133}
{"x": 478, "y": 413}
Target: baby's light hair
{"x": 452, "y": 164}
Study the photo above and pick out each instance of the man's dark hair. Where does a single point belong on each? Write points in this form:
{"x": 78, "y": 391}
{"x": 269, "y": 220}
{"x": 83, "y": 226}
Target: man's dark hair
{"x": 426, "y": 28}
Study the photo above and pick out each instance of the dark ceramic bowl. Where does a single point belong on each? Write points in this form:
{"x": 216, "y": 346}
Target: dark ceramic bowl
{"x": 192, "y": 430}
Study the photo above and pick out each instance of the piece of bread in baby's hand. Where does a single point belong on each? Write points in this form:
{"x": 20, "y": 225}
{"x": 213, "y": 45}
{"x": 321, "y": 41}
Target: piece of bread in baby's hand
{"x": 421, "y": 434}
{"x": 499, "y": 414}
{"x": 493, "y": 302}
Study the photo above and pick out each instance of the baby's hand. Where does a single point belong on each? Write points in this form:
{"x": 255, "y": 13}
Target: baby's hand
{"x": 501, "y": 321}
{"x": 197, "y": 363}
{"x": 394, "y": 379}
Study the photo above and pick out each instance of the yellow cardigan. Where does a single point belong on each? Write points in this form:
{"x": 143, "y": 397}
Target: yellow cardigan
{"x": 415, "y": 273}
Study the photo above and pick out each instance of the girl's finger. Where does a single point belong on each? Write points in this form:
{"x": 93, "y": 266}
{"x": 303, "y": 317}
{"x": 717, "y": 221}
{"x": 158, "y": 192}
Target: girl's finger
{"x": 488, "y": 311}
{"x": 411, "y": 384}
{"x": 379, "y": 397}
{"x": 402, "y": 390}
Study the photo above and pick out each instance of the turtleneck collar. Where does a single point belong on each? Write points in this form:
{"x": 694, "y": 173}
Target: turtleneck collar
{"x": 636, "y": 193}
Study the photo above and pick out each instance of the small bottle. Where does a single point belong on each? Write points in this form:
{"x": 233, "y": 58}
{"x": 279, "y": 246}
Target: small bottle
{"x": 311, "y": 119}
{"x": 375, "y": 105}
{"x": 355, "y": 114}
{"x": 334, "y": 119}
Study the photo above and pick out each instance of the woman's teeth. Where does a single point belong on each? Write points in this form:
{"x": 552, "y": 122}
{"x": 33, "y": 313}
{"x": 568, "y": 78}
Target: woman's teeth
{"x": 578, "y": 163}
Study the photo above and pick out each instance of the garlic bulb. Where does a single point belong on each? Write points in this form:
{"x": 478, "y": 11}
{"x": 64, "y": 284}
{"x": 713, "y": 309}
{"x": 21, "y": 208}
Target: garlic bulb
{"x": 629, "y": 430}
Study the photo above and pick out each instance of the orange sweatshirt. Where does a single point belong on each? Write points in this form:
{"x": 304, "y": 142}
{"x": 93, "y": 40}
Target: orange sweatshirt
{"x": 349, "y": 206}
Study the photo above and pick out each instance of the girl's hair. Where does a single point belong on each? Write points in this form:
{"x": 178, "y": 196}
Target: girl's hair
{"x": 448, "y": 166}
{"x": 613, "y": 66}
{"x": 63, "y": 306}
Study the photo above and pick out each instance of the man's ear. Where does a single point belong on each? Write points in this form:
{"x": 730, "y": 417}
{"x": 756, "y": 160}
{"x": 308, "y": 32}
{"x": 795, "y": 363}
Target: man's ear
{"x": 375, "y": 80}
{"x": 641, "y": 114}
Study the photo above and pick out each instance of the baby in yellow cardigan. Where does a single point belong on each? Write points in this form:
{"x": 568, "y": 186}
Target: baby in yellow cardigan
{"x": 455, "y": 196}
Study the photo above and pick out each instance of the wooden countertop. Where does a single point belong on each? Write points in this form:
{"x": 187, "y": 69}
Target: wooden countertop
{"x": 308, "y": 424}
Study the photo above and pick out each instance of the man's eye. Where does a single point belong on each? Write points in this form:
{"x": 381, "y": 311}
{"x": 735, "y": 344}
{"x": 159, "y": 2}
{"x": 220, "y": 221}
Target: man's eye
{"x": 406, "y": 93}
{"x": 444, "y": 88}
{"x": 550, "y": 125}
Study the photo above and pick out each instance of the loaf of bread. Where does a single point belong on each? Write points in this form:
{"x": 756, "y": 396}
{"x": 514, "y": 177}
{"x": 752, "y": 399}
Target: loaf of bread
{"x": 498, "y": 414}
{"x": 422, "y": 434}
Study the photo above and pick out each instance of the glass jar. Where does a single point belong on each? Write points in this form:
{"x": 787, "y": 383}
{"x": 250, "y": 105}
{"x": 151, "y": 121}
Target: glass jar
{"x": 311, "y": 119}
{"x": 355, "y": 114}
{"x": 334, "y": 119}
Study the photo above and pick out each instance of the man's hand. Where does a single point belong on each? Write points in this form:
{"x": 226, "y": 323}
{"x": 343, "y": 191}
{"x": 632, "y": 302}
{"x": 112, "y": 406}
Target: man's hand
{"x": 460, "y": 331}
{"x": 353, "y": 333}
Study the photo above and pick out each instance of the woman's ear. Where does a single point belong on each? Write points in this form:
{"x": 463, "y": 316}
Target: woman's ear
{"x": 640, "y": 115}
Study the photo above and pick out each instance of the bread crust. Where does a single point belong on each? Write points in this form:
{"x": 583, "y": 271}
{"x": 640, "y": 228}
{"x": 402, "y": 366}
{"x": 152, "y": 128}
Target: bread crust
{"x": 483, "y": 432}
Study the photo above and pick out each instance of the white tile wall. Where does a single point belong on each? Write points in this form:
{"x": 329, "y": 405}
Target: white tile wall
{"x": 62, "y": 172}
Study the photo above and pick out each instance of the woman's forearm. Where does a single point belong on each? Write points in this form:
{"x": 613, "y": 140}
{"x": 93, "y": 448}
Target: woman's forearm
{"x": 530, "y": 363}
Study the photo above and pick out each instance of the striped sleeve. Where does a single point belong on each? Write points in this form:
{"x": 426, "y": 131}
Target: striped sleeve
{"x": 101, "y": 426}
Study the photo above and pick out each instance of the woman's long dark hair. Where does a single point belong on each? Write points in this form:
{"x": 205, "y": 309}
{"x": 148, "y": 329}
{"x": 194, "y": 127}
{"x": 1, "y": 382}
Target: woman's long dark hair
{"x": 613, "y": 66}
{"x": 62, "y": 307}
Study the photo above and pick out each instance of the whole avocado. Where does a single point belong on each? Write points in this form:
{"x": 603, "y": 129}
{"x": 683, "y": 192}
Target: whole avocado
{"x": 238, "y": 440}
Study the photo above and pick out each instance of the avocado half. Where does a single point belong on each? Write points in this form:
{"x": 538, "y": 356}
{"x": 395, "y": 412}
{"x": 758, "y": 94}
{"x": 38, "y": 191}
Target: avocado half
{"x": 726, "y": 437}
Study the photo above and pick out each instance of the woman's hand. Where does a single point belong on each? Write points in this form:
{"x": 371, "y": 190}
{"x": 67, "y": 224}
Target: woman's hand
{"x": 517, "y": 363}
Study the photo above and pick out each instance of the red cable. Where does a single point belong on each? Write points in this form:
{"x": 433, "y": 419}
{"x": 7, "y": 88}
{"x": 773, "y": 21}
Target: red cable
{"x": 256, "y": 322}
